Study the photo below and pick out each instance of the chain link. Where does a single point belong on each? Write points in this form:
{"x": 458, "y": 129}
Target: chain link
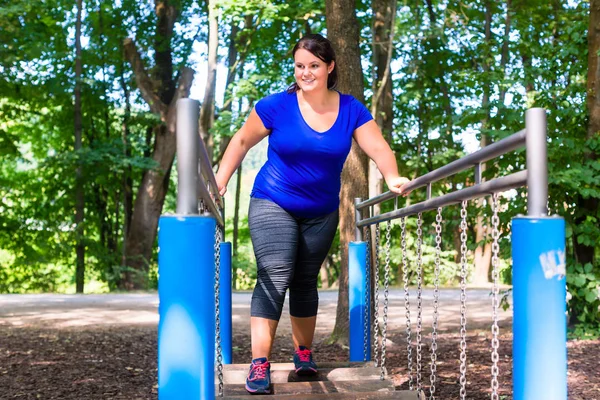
{"x": 388, "y": 245}
{"x": 376, "y": 298}
{"x": 201, "y": 207}
{"x": 436, "y": 296}
{"x": 406, "y": 303}
{"x": 218, "y": 237}
{"x": 419, "y": 299}
{"x": 367, "y": 325}
{"x": 495, "y": 329}
{"x": 463, "y": 301}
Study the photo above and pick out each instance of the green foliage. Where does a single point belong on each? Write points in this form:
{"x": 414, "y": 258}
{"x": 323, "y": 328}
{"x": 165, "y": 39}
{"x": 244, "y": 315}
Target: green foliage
{"x": 442, "y": 68}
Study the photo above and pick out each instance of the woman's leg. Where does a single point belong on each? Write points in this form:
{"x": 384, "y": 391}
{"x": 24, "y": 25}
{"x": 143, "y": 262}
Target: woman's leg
{"x": 262, "y": 333}
{"x": 303, "y": 331}
{"x": 316, "y": 236}
{"x": 274, "y": 236}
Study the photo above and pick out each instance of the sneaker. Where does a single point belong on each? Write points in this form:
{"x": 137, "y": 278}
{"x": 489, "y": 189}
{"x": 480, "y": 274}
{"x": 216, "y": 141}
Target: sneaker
{"x": 259, "y": 377}
{"x": 303, "y": 362}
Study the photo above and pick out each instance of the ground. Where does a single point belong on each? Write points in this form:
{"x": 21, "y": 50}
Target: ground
{"x": 104, "y": 347}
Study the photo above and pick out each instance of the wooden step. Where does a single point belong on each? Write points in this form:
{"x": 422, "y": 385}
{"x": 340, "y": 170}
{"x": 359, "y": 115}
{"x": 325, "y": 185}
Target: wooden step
{"x": 238, "y": 376}
{"x": 335, "y": 380}
{"x": 290, "y": 366}
{"x": 304, "y": 388}
{"x": 397, "y": 395}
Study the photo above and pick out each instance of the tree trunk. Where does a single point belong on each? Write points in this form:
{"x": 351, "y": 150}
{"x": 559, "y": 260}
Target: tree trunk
{"x": 161, "y": 94}
{"x": 384, "y": 12}
{"x": 343, "y": 31}
{"x": 127, "y": 175}
{"x": 324, "y": 272}
{"x": 79, "y": 190}
{"x": 589, "y": 206}
{"x": 483, "y": 252}
{"x": 207, "y": 112}
{"x": 236, "y": 63}
{"x": 504, "y": 55}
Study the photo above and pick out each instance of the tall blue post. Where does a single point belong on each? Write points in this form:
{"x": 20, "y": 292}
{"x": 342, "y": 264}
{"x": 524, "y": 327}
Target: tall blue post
{"x": 225, "y": 311}
{"x": 359, "y": 305}
{"x": 540, "y": 321}
{"x": 186, "y": 329}
{"x": 539, "y": 282}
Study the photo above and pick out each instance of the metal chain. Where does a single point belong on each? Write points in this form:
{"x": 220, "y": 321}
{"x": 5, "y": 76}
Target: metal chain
{"x": 463, "y": 301}
{"x": 436, "y": 296}
{"x": 406, "y": 303}
{"x": 367, "y": 324}
{"x": 386, "y": 295}
{"x": 218, "y": 237}
{"x": 495, "y": 329}
{"x": 419, "y": 299}
{"x": 376, "y": 298}
{"x": 201, "y": 207}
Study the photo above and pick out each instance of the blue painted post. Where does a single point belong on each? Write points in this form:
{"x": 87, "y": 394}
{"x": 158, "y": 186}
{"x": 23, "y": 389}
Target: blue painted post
{"x": 357, "y": 282}
{"x": 225, "y": 311}
{"x": 186, "y": 329}
{"x": 539, "y": 296}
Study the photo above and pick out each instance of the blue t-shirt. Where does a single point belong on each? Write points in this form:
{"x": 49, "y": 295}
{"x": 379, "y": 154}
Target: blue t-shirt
{"x": 303, "y": 171}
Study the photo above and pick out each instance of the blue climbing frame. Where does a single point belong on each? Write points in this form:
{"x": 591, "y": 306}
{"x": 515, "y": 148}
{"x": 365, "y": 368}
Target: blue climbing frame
{"x": 538, "y": 250}
{"x": 186, "y": 334}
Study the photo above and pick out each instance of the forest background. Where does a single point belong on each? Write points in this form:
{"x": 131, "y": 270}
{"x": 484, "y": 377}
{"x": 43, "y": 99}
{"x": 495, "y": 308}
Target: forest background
{"x": 87, "y": 148}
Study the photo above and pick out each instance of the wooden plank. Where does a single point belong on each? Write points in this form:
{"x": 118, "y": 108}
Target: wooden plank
{"x": 305, "y": 388}
{"x": 397, "y": 395}
{"x": 325, "y": 374}
{"x": 290, "y": 366}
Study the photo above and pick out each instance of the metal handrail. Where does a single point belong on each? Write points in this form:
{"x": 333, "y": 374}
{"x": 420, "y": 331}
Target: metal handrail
{"x": 195, "y": 177}
{"x": 535, "y": 177}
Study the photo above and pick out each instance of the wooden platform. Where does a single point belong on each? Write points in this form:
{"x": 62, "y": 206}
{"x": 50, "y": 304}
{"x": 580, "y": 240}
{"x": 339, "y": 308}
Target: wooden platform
{"x": 339, "y": 380}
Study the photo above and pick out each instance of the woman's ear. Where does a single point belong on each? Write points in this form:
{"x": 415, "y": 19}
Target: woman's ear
{"x": 330, "y": 67}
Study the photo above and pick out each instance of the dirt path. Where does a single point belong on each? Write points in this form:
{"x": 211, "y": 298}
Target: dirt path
{"x": 104, "y": 346}
{"x": 64, "y": 311}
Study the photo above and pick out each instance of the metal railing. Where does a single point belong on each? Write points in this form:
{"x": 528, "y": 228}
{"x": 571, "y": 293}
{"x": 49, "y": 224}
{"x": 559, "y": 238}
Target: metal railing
{"x": 195, "y": 177}
{"x": 533, "y": 137}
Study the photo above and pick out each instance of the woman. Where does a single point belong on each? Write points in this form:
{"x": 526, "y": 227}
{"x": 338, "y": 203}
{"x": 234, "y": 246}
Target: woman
{"x": 294, "y": 204}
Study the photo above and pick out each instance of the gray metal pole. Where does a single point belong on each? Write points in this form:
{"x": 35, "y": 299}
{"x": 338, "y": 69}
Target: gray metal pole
{"x": 187, "y": 156}
{"x": 358, "y": 232}
{"x": 537, "y": 162}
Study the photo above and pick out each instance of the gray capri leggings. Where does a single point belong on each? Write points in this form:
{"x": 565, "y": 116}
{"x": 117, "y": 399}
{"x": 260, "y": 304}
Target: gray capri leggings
{"x": 289, "y": 252}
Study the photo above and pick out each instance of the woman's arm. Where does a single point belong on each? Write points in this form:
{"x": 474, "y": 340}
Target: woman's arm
{"x": 369, "y": 138}
{"x": 252, "y": 132}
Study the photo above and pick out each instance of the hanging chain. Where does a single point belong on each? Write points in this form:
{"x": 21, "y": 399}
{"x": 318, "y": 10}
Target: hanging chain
{"x": 436, "y": 297}
{"x": 367, "y": 293}
{"x": 463, "y": 301}
{"x": 495, "y": 329}
{"x": 419, "y": 299}
{"x": 376, "y": 299}
{"x": 218, "y": 237}
{"x": 201, "y": 207}
{"x": 406, "y": 303}
{"x": 386, "y": 295}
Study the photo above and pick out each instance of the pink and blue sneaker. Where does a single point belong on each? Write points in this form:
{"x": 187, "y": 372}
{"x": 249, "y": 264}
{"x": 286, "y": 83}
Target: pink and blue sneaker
{"x": 303, "y": 362}
{"x": 259, "y": 377}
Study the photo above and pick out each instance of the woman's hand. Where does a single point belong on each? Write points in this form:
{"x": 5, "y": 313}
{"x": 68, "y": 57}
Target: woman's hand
{"x": 397, "y": 185}
{"x": 221, "y": 185}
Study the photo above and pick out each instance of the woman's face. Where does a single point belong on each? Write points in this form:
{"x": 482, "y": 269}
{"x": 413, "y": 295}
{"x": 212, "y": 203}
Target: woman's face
{"x": 310, "y": 71}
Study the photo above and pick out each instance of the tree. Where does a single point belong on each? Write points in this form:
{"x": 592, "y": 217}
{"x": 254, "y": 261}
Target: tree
{"x": 207, "y": 112}
{"x": 343, "y": 32}
{"x": 161, "y": 93}
{"x": 382, "y": 103}
{"x": 79, "y": 190}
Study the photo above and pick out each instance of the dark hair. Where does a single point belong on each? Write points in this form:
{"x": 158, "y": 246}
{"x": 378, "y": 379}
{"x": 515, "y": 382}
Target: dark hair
{"x": 321, "y": 48}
